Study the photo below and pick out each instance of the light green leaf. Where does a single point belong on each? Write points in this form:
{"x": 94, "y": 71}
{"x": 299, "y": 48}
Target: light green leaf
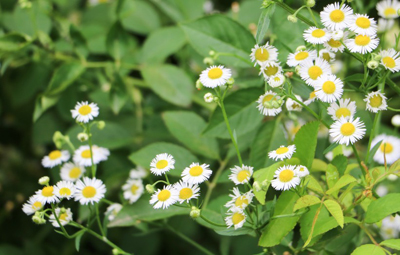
{"x": 332, "y": 175}
{"x": 382, "y": 207}
{"x": 180, "y": 10}
{"x": 13, "y": 42}
{"x": 263, "y": 23}
{"x": 392, "y": 243}
{"x": 139, "y": 16}
{"x": 369, "y": 249}
{"x": 395, "y": 167}
{"x": 63, "y": 77}
{"x": 187, "y": 128}
{"x": 318, "y": 165}
{"x": 306, "y": 143}
{"x": 336, "y": 211}
{"x": 373, "y": 151}
{"x": 340, "y": 162}
{"x": 262, "y": 175}
{"x": 313, "y": 184}
{"x": 343, "y": 181}
{"x": 306, "y": 201}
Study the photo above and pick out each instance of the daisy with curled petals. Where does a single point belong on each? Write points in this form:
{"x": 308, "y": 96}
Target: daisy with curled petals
{"x": 268, "y": 104}
{"x": 329, "y": 88}
{"x": 362, "y": 43}
{"x": 138, "y": 173}
{"x": 376, "y": 101}
{"x": 345, "y": 108}
{"x": 292, "y": 105}
{"x": 347, "y": 131}
{"x": 186, "y": 191}
{"x": 112, "y": 211}
{"x": 285, "y": 178}
{"x": 241, "y": 175}
{"x": 162, "y": 163}
{"x": 335, "y": 45}
{"x": 301, "y": 171}
{"x": 316, "y": 35}
{"x": 283, "y": 152}
{"x": 196, "y": 173}
{"x": 32, "y": 205}
{"x": 363, "y": 25}
{"x": 263, "y": 54}
{"x": 215, "y": 76}
{"x": 164, "y": 198}
{"x": 385, "y": 25}
{"x": 46, "y": 195}
{"x": 85, "y": 112}
{"x": 64, "y": 189}
{"x": 83, "y": 155}
{"x": 270, "y": 69}
{"x": 240, "y": 201}
{"x": 336, "y": 17}
{"x": 71, "y": 172}
{"x": 311, "y": 98}
{"x": 276, "y": 80}
{"x": 390, "y": 60}
{"x": 133, "y": 190}
{"x": 310, "y": 71}
{"x": 389, "y": 149}
{"x": 388, "y": 9}
{"x": 89, "y": 191}
{"x": 298, "y": 57}
{"x": 64, "y": 217}
{"x": 55, "y": 158}
{"x": 235, "y": 218}
{"x": 327, "y": 55}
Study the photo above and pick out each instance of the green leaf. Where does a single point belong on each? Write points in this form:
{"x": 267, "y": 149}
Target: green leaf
{"x": 263, "y": 23}
{"x": 242, "y": 114}
{"x": 313, "y": 184}
{"x": 343, "y": 181}
{"x": 306, "y": 201}
{"x": 179, "y": 10}
{"x": 332, "y": 175}
{"x": 170, "y": 83}
{"x": 373, "y": 151}
{"x": 117, "y": 41}
{"x": 63, "y": 77}
{"x": 336, "y": 211}
{"x": 340, "y": 162}
{"x": 183, "y": 158}
{"x": 318, "y": 165}
{"x": 13, "y": 42}
{"x": 42, "y": 104}
{"x": 395, "y": 167}
{"x": 262, "y": 175}
{"x": 118, "y": 95}
{"x": 139, "y": 16}
{"x": 382, "y": 207}
{"x": 330, "y": 147}
{"x": 369, "y": 249}
{"x": 187, "y": 128}
{"x": 221, "y": 34}
{"x": 78, "y": 240}
{"x": 278, "y": 228}
{"x": 392, "y": 243}
{"x": 306, "y": 143}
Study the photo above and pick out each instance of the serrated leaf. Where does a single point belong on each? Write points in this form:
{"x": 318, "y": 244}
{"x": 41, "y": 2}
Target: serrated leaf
{"x": 330, "y": 147}
{"x": 340, "y": 162}
{"x": 343, "y": 181}
{"x": 262, "y": 175}
{"x": 332, "y": 175}
{"x": 306, "y": 201}
{"x": 263, "y": 23}
{"x": 306, "y": 143}
{"x": 392, "y": 243}
{"x": 313, "y": 184}
{"x": 382, "y": 207}
{"x": 336, "y": 211}
{"x": 369, "y": 249}
{"x": 63, "y": 77}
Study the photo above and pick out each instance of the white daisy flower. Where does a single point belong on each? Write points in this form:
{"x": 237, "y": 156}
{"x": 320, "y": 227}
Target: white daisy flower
{"x": 363, "y": 25}
{"x": 239, "y": 201}
{"x": 389, "y": 149}
{"x": 388, "y": 9}
{"x": 327, "y": 55}
{"x": 71, "y": 172}
{"x": 337, "y": 35}
{"x": 376, "y": 101}
{"x": 336, "y": 17}
{"x": 82, "y": 155}
{"x": 215, "y": 76}
{"x": 362, "y": 44}
{"x": 345, "y": 108}
{"x": 329, "y": 88}
{"x": 301, "y": 171}
{"x": 390, "y": 60}
{"x": 285, "y": 178}
{"x": 282, "y": 152}
{"x": 346, "y": 150}
{"x": 32, "y": 205}
{"x": 133, "y": 190}
{"x": 310, "y": 71}
{"x": 85, "y": 112}
{"x": 64, "y": 189}
{"x": 263, "y": 54}
{"x": 186, "y": 191}
{"x": 347, "y": 131}
{"x": 270, "y": 69}
{"x": 46, "y": 195}
{"x": 89, "y": 190}
{"x": 311, "y": 98}
{"x": 196, "y": 173}
{"x": 276, "y": 80}
{"x": 241, "y": 175}
{"x": 138, "y": 173}
{"x": 112, "y": 211}
{"x": 64, "y": 217}
{"x": 235, "y": 218}
{"x": 298, "y": 57}
{"x": 164, "y": 198}
{"x": 55, "y": 158}
{"x": 162, "y": 163}
{"x": 390, "y": 228}
{"x": 385, "y": 25}
{"x": 292, "y": 105}
{"x": 316, "y": 35}
{"x": 268, "y": 104}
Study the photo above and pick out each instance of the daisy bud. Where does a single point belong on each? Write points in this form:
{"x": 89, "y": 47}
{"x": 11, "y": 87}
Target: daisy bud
{"x": 208, "y": 61}
{"x": 195, "y": 212}
{"x": 208, "y": 97}
{"x": 216, "y": 99}
{"x": 257, "y": 186}
{"x": 62, "y": 210}
{"x": 199, "y": 86}
{"x": 396, "y": 120}
{"x": 38, "y": 218}
{"x": 373, "y": 64}
{"x": 150, "y": 188}
{"x": 82, "y": 137}
{"x": 297, "y": 69}
{"x": 275, "y": 104}
{"x": 101, "y": 125}
{"x": 230, "y": 81}
{"x": 44, "y": 180}
{"x": 265, "y": 185}
{"x": 301, "y": 48}
{"x": 115, "y": 251}
{"x": 310, "y": 3}
{"x": 211, "y": 53}
{"x": 292, "y": 18}
{"x": 376, "y": 57}
{"x": 267, "y": 104}
{"x": 392, "y": 177}
{"x": 58, "y": 139}
{"x": 337, "y": 35}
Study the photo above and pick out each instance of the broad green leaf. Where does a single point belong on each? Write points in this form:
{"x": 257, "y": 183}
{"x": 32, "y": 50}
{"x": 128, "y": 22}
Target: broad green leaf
{"x": 63, "y": 77}
{"x": 395, "y": 167}
{"x": 332, "y": 175}
{"x": 183, "y": 158}
{"x": 306, "y": 143}
{"x": 79, "y": 41}
{"x": 13, "y": 42}
{"x": 42, "y": 104}
{"x": 370, "y": 249}
{"x": 392, "y": 243}
{"x": 350, "y": 167}
{"x": 78, "y": 240}
{"x": 139, "y": 16}
{"x": 306, "y": 201}
{"x": 313, "y": 184}
{"x": 278, "y": 228}
{"x": 382, "y": 207}
{"x": 220, "y": 34}
{"x": 180, "y": 10}
{"x": 242, "y": 114}
{"x": 336, "y": 211}
{"x": 343, "y": 181}
{"x": 117, "y": 41}
{"x": 170, "y": 83}
{"x": 187, "y": 128}
{"x": 263, "y": 23}
{"x": 262, "y": 175}
{"x": 340, "y": 162}
{"x": 318, "y": 165}
{"x": 118, "y": 95}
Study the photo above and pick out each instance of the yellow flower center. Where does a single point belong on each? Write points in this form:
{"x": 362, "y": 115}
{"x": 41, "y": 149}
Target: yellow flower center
{"x": 362, "y": 40}
{"x": 63, "y": 217}
{"x": 386, "y": 148}
{"x": 237, "y": 218}
{"x": 286, "y": 175}
{"x": 326, "y": 56}
{"x": 363, "y": 22}
{"x": 314, "y": 72}
{"x": 312, "y": 95}
{"x": 302, "y": 55}
{"x": 343, "y": 112}
{"x": 161, "y": 164}
{"x": 337, "y": 16}
{"x": 268, "y": 98}
{"x": 347, "y": 129}
{"x": 240, "y": 201}
{"x": 389, "y": 62}
{"x": 196, "y": 171}
{"x": 318, "y": 33}
{"x": 301, "y": 169}
{"x": 243, "y": 175}
{"x": 375, "y": 101}
{"x": 85, "y": 110}
{"x": 271, "y": 70}
{"x": 86, "y": 154}
{"x": 164, "y": 195}
{"x": 334, "y": 43}
{"x": 329, "y": 87}
{"x": 215, "y": 73}
{"x": 294, "y": 130}
{"x": 277, "y": 79}
{"x": 185, "y": 193}
{"x": 37, "y": 205}
{"x": 55, "y": 154}
{"x": 65, "y": 191}
{"x": 282, "y": 150}
{"x": 134, "y": 188}
{"x": 74, "y": 173}
{"x": 261, "y": 54}
{"x": 390, "y": 11}
{"x": 89, "y": 192}
{"x": 48, "y": 191}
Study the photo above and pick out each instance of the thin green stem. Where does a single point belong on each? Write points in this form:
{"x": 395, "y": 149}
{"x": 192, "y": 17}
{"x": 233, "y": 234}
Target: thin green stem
{"x": 312, "y": 15}
{"x": 166, "y": 177}
{"x": 91, "y": 150}
{"x": 291, "y": 11}
{"x": 393, "y": 109}
{"x": 309, "y": 110}
{"x": 212, "y": 185}
{"x": 212, "y": 223}
{"x": 371, "y": 136}
{"x": 98, "y": 220}
{"x": 358, "y": 159}
{"x": 58, "y": 221}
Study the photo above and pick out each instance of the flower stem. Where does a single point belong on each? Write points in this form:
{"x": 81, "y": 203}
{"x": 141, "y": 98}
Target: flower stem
{"x": 291, "y": 11}
{"x": 212, "y": 223}
{"x": 212, "y": 185}
{"x": 91, "y": 150}
{"x": 372, "y": 134}
{"x": 358, "y": 159}
{"x": 98, "y": 220}
{"x": 309, "y": 110}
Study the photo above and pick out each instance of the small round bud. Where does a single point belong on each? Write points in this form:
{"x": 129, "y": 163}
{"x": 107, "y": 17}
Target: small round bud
{"x": 208, "y": 97}
{"x": 337, "y": 35}
{"x": 211, "y": 53}
{"x": 82, "y": 137}
{"x": 398, "y": 11}
{"x": 230, "y": 81}
{"x": 301, "y": 47}
{"x": 396, "y": 120}
{"x": 195, "y": 212}
{"x": 292, "y": 18}
{"x": 392, "y": 177}
{"x": 216, "y": 99}
{"x": 373, "y": 64}
{"x": 267, "y": 104}
{"x": 280, "y": 101}
{"x": 257, "y": 186}
{"x": 208, "y": 61}
{"x": 275, "y": 104}
{"x": 199, "y": 86}
{"x": 310, "y": 3}
{"x": 297, "y": 70}
{"x": 38, "y": 219}
{"x": 376, "y": 57}
{"x": 44, "y": 180}
{"x": 101, "y": 125}
{"x": 63, "y": 210}
{"x": 115, "y": 251}
{"x": 58, "y": 139}
{"x": 150, "y": 188}
{"x": 265, "y": 185}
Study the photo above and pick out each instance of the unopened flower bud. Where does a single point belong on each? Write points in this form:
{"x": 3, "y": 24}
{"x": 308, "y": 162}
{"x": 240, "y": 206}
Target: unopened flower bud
{"x": 58, "y": 139}
{"x": 280, "y": 101}
{"x": 392, "y": 177}
{"x": 310, "y": 3}
{"x": 82, "y": 137}
{"x": 195, "y": 212}
{"x": 208, "y": 97}
{"x": 216, "y": 99}
{"x": 230, "y": 81}
{"x": 265, "y": 185}
{"x": 300, "y": 48}
{"x": 208, "y": 61}
{"x": 292, "y": 18}
{"x": 297, "y": 70}
{"x": 267, "y": 104}
{"x": 150, "y": 188}
{"x": 199, "y": 86}
{"x": 396, "y": 120}
{"x": 38, "y": 218}
{"x": 373, "y": 64}
{"x": 337, "y": 35}
{"x": 275, "y": 104}
{"x": 44, "y": 180}
{"x": 257, "y": 186}
{"x": 101, "y": 125}
{"x": 115, "y": 251}
{"x": 211, "y": 53}
{"x": 63, "y": 210}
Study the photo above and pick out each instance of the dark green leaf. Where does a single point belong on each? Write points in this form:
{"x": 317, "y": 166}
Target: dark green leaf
{"x": 63, "y": 77}
{"x": 382, "y": 207}
{"x": 78, "y": 240}
{"x": 117, "y": 41}
{"x": 42, "y": 104}
{"x": 13, "y": 42}
{"x": 340, "y": 162}
{"x": 262, "y": 175}
{"x": 306, "y": 143}
{"x": 139, "y": 16}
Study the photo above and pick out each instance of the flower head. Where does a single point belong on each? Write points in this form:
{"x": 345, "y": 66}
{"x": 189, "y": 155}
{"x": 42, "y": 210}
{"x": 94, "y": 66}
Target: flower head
{"x": 55, "y": 158}
{"x": 298, "y": 57}
{"x": 336, "y": 17}
{"x": 32, "y": 205}
{"x": 133, "y": 190}
{"x": 235, "y": 218}
{"x": 162, "y": 163}
{"x": 46, "y": 195}
{"x": 215, "y": 76}
{"x": 164, "y": 198}
{"x": 89, "y": 190}
{"x": 388, "y": 151}
{"x": 363, "y": 25}
{"x": 239, "y": 201}
{"x": 285, "y": 178}
{"x": 390, "y": 60}
{"x": 268, "y": 104}
{"x": 388, "y": 9}
{"x": 376, "y": 101}
{"x": 316, "y": 35}
{"x": 347, "y": 131}
{"x": 64, "y": 217}
{"x": 362, "y": 44}
{"x": 241, "y": 175}
{"x": 196, "y": 173}
{"x": 83, "y": 156}
{"x": 85, "y": 112}
{"x": 345, "y": 108}
{"x": 263, "y": 54}
{"x": 64, "y": 189}
{"x": 71, "y": 172}
{"x": 283, "y": 152}
{"x": 310, "y": 71}
{"x": 328, "y": 88}
{"x": 186, "y": 191}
